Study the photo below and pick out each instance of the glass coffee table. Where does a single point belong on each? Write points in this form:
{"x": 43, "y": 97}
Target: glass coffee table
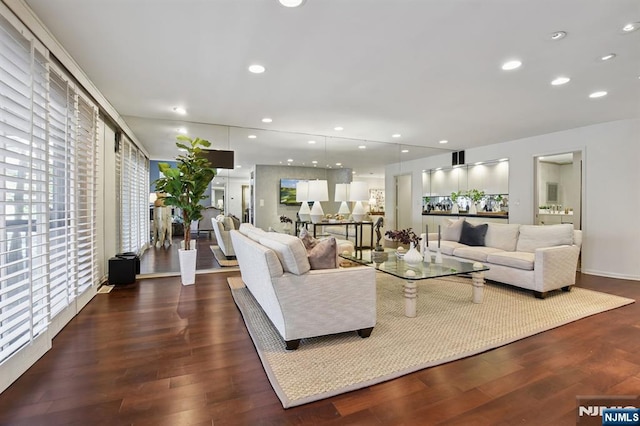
{"x": 390, "y": 263}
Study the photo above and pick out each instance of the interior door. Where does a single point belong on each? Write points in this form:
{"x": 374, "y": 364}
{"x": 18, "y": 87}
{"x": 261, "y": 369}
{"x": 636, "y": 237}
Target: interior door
{"x": 403, "y": 202}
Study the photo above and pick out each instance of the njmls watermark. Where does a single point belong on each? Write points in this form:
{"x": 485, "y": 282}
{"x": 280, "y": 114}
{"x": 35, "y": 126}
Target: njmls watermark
{"x": 608, "y": 410}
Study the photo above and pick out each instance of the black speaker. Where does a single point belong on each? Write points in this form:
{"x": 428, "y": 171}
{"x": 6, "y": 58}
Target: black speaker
{"x": 457, "y": 158}
{"x": 218, "y": 158}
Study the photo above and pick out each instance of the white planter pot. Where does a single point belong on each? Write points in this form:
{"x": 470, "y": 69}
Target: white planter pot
{"x": 187, "y": 266}
{"x": 413, "y": 256}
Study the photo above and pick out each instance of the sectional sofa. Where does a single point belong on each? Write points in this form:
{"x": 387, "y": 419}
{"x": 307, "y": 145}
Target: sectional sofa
{"x": 302, "y": 302}
{"x": 540, "y": 258}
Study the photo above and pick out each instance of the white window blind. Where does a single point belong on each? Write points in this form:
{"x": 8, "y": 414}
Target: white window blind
{"x": 133, "y": 182}
{"x": 48, "y": 150}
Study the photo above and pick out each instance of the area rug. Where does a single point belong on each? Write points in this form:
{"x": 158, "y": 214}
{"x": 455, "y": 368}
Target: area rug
{"x": 448, "y": 326}
{"x": 221, "y": 258}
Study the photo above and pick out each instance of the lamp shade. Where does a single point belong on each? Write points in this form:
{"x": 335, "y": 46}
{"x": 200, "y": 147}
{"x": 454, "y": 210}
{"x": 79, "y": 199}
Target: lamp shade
{"x": 359, "y": 191}
{"x": 342, "y": 192}
{"x": 302, "y": 191}
{"x": 318, "y": 190}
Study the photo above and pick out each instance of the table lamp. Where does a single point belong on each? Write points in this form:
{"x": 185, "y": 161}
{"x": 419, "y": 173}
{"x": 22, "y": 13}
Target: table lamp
{"x": 342, "y": 194}
{"x": 318, "y": 191}
{"x": 358, "y": 192}
{"x": 302, "y": 196}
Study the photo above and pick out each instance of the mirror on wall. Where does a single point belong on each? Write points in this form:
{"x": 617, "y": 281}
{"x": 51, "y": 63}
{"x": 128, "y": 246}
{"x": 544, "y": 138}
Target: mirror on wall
{"x": 264, "y": 157}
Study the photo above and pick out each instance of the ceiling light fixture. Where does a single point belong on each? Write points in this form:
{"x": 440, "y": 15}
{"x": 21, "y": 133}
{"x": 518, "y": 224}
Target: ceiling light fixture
{"x": 338, "y": 129}
{"x": 291, "y": 3}
{"x": 182, "y": 130}
{"x": 338, "y": 164}
{"x": 256, "y": 69}
{"x": 558, "y": 35}
{"x": 312, "y": 142}
{"x": 396, "y": 135}
{"x": 289, "y": 160}
{"x": 511, "y": 65}
{"x": 314, "y": 162}
{"x": 267, "y": 120}
{"x": 238, "y": 166}
{"x": 252, "y": 136}
{"x": 179, "y": 110}
{"x": 444, "y": 141}
{"x": 598, "y": 94}
{"x": 559, "y": 81}
{"x": 362, "y": 147}
{"x": 404, "y": 151}
{"x": 630, "y": 27}
{"x": 608, "y": 57}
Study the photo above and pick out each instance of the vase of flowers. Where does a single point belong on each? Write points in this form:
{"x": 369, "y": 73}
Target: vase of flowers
{"x": 403, "y": 238}
{"x": 287, "y": 224}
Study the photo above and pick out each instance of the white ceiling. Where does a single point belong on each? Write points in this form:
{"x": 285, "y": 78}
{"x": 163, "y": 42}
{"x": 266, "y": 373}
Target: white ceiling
{"x": 427, "y": 69}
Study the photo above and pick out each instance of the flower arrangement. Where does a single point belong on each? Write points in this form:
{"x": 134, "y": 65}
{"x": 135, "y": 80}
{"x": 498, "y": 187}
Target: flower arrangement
{"x": 404, "y": 236}
{"x": 475, "y": 195}
{"x": 285, "y": 219}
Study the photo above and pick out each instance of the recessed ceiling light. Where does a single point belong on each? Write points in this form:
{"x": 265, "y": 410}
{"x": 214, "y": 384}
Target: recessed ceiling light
{"x": 291, "y": 3}
{"x": 598, "y": 94}
{"x": 558, "y": 35}
{"x": 182, "y": 130}
{"x": 444, "y": 141}
{"x": 289, "y": 160}
{"x": 353, "y": 172}
{"x": 312, "y": 142}
{"x": 338, "y": 129}
{"x": 630, "y": 27}
{"x": 362, "y": 147}
{"x": 511, "y": 65}
{"x": 559, "y": 81}
{"x": 256, "y": 69}
{"x": 267, "y": 120}
{"x": 404, "y": 151}
{"x": 608, "y": 57}
{"x": 396, "y": 135}
{"x": 179, "y": 110}
{"x": 314, "y": 162}
{"x": 238, "y": 166}
{"x": 338, "y": 164}
{"x": 252, "y": 136}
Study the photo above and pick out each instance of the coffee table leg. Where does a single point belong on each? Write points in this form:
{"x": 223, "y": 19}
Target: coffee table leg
{"x": 478, "y": 286}
{"x": 410, "y": 295}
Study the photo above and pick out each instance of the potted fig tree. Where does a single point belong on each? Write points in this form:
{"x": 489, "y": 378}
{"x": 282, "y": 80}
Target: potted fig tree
{"x": 185, "y": 186}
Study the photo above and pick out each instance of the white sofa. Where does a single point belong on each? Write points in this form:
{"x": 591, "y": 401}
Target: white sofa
{"x": 222, "y": 225}
{"x": 540, "y": 258}
{"x": 302, "y": 302}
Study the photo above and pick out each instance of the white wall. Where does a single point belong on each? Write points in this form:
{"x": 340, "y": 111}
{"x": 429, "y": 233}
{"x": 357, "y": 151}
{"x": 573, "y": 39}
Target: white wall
{"x": 611, "y": 234}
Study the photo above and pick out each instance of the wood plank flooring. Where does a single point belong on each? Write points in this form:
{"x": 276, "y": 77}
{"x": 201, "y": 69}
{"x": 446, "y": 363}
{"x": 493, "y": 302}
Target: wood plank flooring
{"x": 158, "y": 353}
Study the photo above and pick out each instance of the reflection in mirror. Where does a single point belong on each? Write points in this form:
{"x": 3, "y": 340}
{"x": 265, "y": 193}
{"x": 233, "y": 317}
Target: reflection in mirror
{"x": 251, "y": 191}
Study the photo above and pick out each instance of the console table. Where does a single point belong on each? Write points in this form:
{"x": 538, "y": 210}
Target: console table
{"x": 358, "y": 227}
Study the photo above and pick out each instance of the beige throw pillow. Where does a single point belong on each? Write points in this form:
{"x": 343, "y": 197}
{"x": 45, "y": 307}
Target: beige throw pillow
{"x": 452, "y": 230}
{"x": 307, "y": 239}
{"x": 323, "y": 255}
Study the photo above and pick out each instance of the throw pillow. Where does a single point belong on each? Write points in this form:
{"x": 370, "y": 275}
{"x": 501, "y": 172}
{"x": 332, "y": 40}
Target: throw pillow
{"x": 307, "y": 239}
{"x": 452, "y": 229}
{"x": 324, "y": 254}
{"x": 235, "y": 220}
{"x": 473, "y": 235}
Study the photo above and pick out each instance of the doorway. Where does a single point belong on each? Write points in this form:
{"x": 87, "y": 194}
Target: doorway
{"x": 558, "y": 193}
{"x": 403, "y": 202}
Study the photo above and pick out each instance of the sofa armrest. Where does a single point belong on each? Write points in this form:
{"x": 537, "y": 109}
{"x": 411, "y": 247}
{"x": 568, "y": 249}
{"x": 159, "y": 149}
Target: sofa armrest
{"x": 555, "y": 267}
{"x": 327, "y": 301}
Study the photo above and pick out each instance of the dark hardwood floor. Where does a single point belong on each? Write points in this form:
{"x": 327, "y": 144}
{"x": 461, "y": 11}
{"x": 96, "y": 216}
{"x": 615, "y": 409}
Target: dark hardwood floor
{"x": 165, "y": 259}
{"x": 158, "y": 353}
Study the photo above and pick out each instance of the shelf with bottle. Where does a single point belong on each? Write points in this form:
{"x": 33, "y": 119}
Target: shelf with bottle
{"x": 461, "y": 203}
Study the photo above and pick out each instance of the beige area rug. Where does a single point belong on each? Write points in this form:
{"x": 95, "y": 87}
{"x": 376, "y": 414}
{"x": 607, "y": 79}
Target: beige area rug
{"x": 448, "y": 326}
{"x": 221, "y": 258}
